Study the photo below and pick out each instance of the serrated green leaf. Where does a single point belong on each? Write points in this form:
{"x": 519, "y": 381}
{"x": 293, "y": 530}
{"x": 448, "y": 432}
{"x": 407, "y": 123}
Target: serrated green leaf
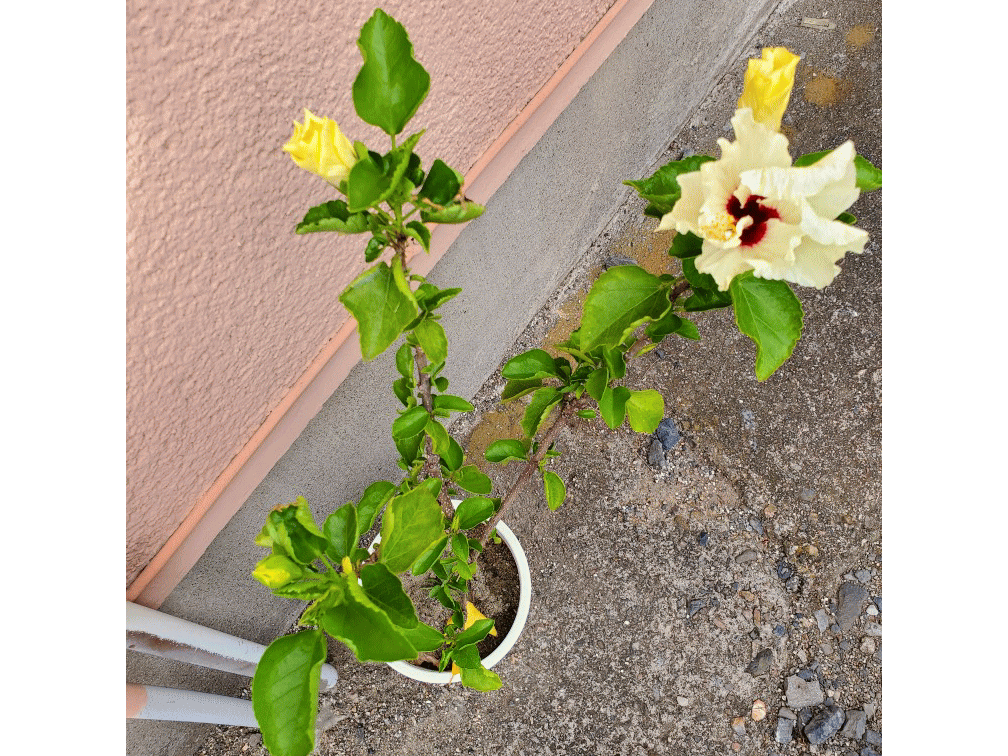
{"x": 375, "y": 497}
{"x": 538, "y": 409}
{"x": 386, "y": 591}
{"x": 622, "y": 299}
{"x": 662, "y": 189}
{"x": 412, "y": 524}
{"x": 285, "y": 692}
{"x": 374, "y": 248}
{"x": 442, "y": 184}
{"x": 472, "y": 511}
{"x": 391, "y": 84}
{"x": 409, "y": 448}
{"x": 469, "y": 478}
{"x": 505, "y": 450}
{"x": 333, "y": 216}
{"x": 410, "y": 423}
{"x": 597, "y": 382}
{"x": 364, "y": 627}
{"x": 533, "y": 364}
{"x": 555, "y": 490}
{"x": 381, "y": 306}
{"x": 432, "y": 340}
{"x": 770, "y": 314}
{"x": 612, "y": 406}
{"x": 341, "y": 529}
{"x": 645, "y": 409}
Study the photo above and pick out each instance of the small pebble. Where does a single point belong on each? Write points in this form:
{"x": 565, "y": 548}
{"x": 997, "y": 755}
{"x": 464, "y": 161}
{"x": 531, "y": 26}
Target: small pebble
{"x": 874, "y": 738}
{"x": 694, "y": 606}
{"x": 807, "y": 494}
{"x": 770, "y": 511}
{"x": 850, "y": 599}
{"x": 759, "y": 710}
{"x": 656, "y": 455}
{"x": 793, "y": 584}
{"x": 703, "y": 538}
{"x": 756, "y": 525}
{"x": 824, "y": 725}
{"x": 854, "y": 727}
{"x": 784, "y": 570}
{"x": 683, "y": 701}
{"x": 748, "y": 596}
{"x": 780, "y": 631}
{"x": 846, "y": 645}
{"x": 667, "y": 433}
{"x": 872, "y": 610}
{"x": 872, "y": 628}
{"x": 785, "y": 730}
{"x": 863, "y": 575}
{"x": 822, "y": 620}
{"x": 760, "y": 664}
{"x": 746, "y": 556}
{"x": 736, "y": 746}
{"x": 738, "y": 725}
{"x": 802, "y": 693}
{"x": 868, "y": 645}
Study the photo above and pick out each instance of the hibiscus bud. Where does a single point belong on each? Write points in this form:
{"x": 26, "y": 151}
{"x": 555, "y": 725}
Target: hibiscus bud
{"x": 319, "y": 146}
{"x": 276, "y": 571}
{"x": 768, "y": 84}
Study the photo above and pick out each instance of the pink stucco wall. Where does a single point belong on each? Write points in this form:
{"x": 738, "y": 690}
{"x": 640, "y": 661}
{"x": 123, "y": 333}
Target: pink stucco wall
{"x": 226, "y": 307}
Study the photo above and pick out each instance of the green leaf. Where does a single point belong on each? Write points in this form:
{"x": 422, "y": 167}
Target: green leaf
{"x": 686, "y": 245}
{"x": 285, "y": 692}
{"x": 391, "y": 84}
{"x": 479, "y": 630}
{"x": 276, "y": 571}
{"x": 661, "y": 189}
{"x": 597, "y": 383}
{"x": 364, "y": 627}
{"x": 535, "y": 363}
{"x": 374, "y": 498}
{"x": 412, "y": 524}
{"x": 442, "y": 184}
{"x": 453, "y": 456}
{"x": 291, "y": 531}
{"x": 383, "y": 305}
{"x": 432, "y": 340}
{"x": 420, "y": 232}
{"x": 645, "y": 410}
{"x": 847, "y": 218}
{"x": 466, "y": 657}
{"x": 386, "y": 591}
{"x": 374, "y": 249}
{"x": 472, "y": 480}
{"x": 439, "y": 594}
{"x": 341, "y": 529}
{"x": 409, "y": 448}
{"x": 538, "y": 409}
{"x": 423, "y": 637}
{"x": 410, "y": 423}
{"x": 403, "y": 391}
{"x": 518, "y": 388}
{"x": 868, "y": 178}
{"x": 505, "y": 450}
{"x": 440, "y": 440}
{"x": 480, "y": 678}
{"x": 451, "y": 403}
{"x": 472, "y": 511}
{"x": 426, "y": 560}
{"x": 612, "y": 406}
{"x": 441, "y": 383}
{"x": 464, "y": 569}
{"x": 706, "y": 295}
{"x": 770, "y": 314}
{"x": 587, "y": 414}
{"x": 431, "y": 297}
{"x": 555, "y": 490}
{"x": 456, "y": 212}
{"x": 615, "y": 361}
{"x": 333, "y": 216}
{"x": 404, "y": 362}
{"x": 622, "y": 299}
{"x": 460, "y": 546}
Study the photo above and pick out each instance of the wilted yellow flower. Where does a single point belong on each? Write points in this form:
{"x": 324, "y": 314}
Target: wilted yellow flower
{"x": 319, "y": 146}
{"x": 768, "y": 84}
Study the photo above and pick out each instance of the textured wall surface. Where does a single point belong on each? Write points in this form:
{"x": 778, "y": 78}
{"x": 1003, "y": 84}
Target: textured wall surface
{"x": 226, "y": 307}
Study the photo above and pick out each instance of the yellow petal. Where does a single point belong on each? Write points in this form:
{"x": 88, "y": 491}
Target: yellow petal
{"x": 768, "y": 84}
{"x": 473, "y": 614}
{"x": 347, "y": 565}
{"x": 319, "y": 146}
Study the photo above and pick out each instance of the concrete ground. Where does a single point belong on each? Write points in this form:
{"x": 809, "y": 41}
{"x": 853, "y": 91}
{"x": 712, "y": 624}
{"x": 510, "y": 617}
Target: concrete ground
{"x": 665, "y": 575}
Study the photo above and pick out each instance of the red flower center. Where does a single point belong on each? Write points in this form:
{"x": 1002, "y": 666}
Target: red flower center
{"x": 759, "y": 213}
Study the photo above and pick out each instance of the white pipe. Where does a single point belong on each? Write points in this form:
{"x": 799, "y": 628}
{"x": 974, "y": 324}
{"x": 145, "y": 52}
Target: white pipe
{"x": 158, "y": 634}
{"x": 152, "y": 702}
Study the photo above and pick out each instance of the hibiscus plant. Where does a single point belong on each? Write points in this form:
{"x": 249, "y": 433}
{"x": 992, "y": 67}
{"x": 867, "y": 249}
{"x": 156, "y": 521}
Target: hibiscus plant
{"x": 748, "y": 224}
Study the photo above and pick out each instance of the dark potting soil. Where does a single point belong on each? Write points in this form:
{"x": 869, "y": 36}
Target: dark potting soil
{"x": 494, "y": 590}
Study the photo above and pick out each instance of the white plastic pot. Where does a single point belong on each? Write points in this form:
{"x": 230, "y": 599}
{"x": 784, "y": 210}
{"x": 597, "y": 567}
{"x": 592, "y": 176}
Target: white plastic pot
{"x": 524, "y": 602}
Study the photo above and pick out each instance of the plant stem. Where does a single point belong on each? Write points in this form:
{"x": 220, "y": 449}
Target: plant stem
{"x": 431, "y": 468}
{"x": 566, "y": 413}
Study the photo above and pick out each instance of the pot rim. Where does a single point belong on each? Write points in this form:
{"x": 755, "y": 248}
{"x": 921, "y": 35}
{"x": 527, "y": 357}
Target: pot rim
{"x": 524, "y": 603}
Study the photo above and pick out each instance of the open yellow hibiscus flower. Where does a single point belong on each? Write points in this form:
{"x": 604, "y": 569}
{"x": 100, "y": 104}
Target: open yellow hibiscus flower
{"x": 756, "y": 212}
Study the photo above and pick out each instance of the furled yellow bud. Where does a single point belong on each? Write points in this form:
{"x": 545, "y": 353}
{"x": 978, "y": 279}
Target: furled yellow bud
{"x": 319, "y": 146}
{"x": 768, "y": 84}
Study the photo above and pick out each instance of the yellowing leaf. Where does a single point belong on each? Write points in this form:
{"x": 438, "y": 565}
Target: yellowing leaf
{"x": 472, "y": 615}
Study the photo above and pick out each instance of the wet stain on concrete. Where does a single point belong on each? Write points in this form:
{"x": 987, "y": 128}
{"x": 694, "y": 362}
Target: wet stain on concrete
{"x": 826, "y": 90}
{"x": 505, "y": 422}
{"x": 860, "y": 35}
